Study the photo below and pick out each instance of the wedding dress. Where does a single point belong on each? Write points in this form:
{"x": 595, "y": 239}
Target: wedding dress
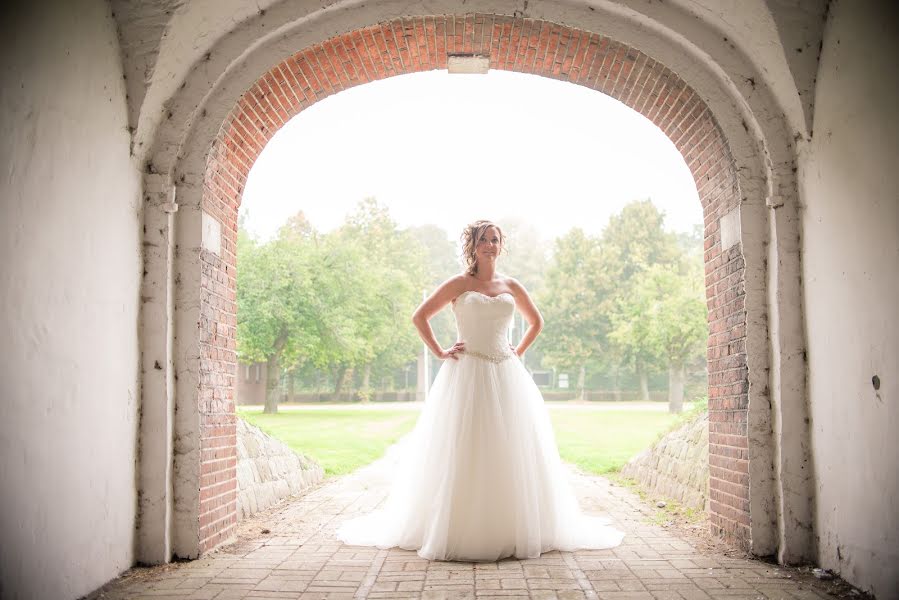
{"x": 481, "y": 478}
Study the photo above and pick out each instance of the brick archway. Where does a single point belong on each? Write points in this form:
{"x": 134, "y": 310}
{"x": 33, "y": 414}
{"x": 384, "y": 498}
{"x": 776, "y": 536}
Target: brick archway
{"x": 536, "y": 47}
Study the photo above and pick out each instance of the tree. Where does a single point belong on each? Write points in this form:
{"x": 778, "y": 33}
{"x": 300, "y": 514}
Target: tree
{"x": 572, "y": 302}
{"x": 667, "y": 312}
{"x": 632, "y": 242}
{"x": 635, "y": 239}
{"x": 392, "y": 271}
{"x": 338, "y": 302}
{"x": 338, "y": 279}
{"x": 596, "y": 320}
{"x": 273, "y": 297}
{"x": 632, "y": 335}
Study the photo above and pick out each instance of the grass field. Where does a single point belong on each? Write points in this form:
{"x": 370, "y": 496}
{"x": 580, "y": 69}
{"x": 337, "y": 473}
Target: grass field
{"x": 598, "y": 438}
{"x": 602, "y": 441}
{"x": 340, "y": 440}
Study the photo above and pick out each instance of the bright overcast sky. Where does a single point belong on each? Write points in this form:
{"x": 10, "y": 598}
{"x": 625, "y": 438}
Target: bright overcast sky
{"x": 449, "y": 149}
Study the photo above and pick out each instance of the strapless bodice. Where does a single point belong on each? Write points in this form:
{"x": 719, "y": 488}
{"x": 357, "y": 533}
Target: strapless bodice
{"x": 483, "y": 324}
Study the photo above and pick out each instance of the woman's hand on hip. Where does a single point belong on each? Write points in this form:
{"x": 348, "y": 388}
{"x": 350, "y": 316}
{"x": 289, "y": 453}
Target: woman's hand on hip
{"x": 451, "y": 352}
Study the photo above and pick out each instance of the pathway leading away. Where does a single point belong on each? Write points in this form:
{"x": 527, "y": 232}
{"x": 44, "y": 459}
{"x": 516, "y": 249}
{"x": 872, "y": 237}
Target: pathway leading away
{"x": 291, "y": 552}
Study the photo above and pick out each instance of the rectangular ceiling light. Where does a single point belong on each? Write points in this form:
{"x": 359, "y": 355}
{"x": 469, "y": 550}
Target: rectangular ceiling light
{"x": 467, "y": 63}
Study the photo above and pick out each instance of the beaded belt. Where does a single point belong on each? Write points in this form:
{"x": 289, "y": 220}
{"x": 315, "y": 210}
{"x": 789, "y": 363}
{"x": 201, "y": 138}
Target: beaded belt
{"x": 494, "y": 358}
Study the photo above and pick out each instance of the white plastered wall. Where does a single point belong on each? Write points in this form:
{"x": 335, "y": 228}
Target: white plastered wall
{"x": 69, "y": 281}
{"x": 850, "y": 191}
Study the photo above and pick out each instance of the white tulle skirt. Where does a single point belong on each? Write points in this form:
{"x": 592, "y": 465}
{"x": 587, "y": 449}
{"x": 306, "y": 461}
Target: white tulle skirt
{"x": 480, "y": 478}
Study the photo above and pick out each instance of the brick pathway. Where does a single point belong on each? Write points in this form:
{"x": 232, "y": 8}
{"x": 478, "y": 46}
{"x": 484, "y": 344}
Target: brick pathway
{"x": 298, "y": 557}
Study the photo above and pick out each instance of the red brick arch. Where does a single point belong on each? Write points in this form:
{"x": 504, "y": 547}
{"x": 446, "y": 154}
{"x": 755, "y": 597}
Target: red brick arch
{"x": 514, "y": 44}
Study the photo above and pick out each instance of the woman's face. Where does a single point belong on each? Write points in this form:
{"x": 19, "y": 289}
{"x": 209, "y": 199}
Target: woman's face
{"x": 489, "y": 245}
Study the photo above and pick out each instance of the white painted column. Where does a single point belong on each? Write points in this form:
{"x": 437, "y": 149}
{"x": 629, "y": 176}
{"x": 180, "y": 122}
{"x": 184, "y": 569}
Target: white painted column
{"x": 155, "y": 498}
{"x": 794, "y": 476}
{"x": 752, "y": 222}
{"x": 193, "y": 232}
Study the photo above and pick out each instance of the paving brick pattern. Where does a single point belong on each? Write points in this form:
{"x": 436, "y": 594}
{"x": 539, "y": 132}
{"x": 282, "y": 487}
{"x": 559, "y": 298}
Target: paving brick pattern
{"x": 298, "y": 557}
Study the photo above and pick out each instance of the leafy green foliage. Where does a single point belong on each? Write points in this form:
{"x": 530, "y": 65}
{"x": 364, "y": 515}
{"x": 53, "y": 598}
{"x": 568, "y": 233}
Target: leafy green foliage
{"x": 574, "y": 302}
{"x": 392, "y": 274}
{"x": 633, "y": 243}
{"x": 273, "y": 299}
{"x": 674, "y": 313}
{"x": 333, "y": 309}
{"x": 631, "y": 298}
{"x": 338, "y": 301}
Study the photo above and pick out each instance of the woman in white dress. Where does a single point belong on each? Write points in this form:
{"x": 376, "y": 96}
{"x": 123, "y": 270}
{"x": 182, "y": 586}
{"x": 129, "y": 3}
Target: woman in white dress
{"x": 481, "y": 478}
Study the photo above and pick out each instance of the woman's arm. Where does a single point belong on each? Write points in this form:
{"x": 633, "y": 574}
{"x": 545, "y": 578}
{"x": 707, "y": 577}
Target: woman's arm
{"x": 528, "y": 309}
{"x": 442, "y": 296}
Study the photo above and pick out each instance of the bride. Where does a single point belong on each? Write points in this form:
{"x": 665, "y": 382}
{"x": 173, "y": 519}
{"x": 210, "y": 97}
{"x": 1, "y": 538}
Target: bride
{"x": 481, "y": 478}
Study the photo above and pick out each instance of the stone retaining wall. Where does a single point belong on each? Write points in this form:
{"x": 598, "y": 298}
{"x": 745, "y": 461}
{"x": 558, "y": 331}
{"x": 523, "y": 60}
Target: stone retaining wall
{"x": 677, "y": 466}
{"x": 268, "y": 470}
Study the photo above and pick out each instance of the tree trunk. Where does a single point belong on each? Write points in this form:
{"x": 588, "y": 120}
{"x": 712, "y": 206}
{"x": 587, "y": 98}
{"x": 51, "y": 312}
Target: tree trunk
{"x": 676, "y": 377}
{"x": 273, "y": 376}
{"x": 581, "y": 382}
{"x": 350, "y": 383}
{"x": 272, "y": 389}
{"x": 365, "y": 390}
{"x": 339, "y": 381}
{"x": 644, "y": 382}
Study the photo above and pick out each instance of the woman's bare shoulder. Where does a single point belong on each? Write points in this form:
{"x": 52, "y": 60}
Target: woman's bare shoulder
{"x": 455, "y": 284}
{"x": 512, "y": 283}
{"x": 457, "y": 280}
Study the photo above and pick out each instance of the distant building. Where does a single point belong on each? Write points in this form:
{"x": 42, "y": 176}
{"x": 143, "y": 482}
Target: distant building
{"x": 251, "y": 378}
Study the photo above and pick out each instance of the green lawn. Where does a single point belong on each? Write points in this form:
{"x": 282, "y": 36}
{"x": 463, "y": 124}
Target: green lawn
{"x": 347, "y": 437}
{"x": 602, "y": 441}
{"x": 340, "y": 440}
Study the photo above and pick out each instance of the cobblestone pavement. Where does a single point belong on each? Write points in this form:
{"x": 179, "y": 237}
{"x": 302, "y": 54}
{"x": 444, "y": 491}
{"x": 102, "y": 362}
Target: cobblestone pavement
{"x": 291, "y": 552}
